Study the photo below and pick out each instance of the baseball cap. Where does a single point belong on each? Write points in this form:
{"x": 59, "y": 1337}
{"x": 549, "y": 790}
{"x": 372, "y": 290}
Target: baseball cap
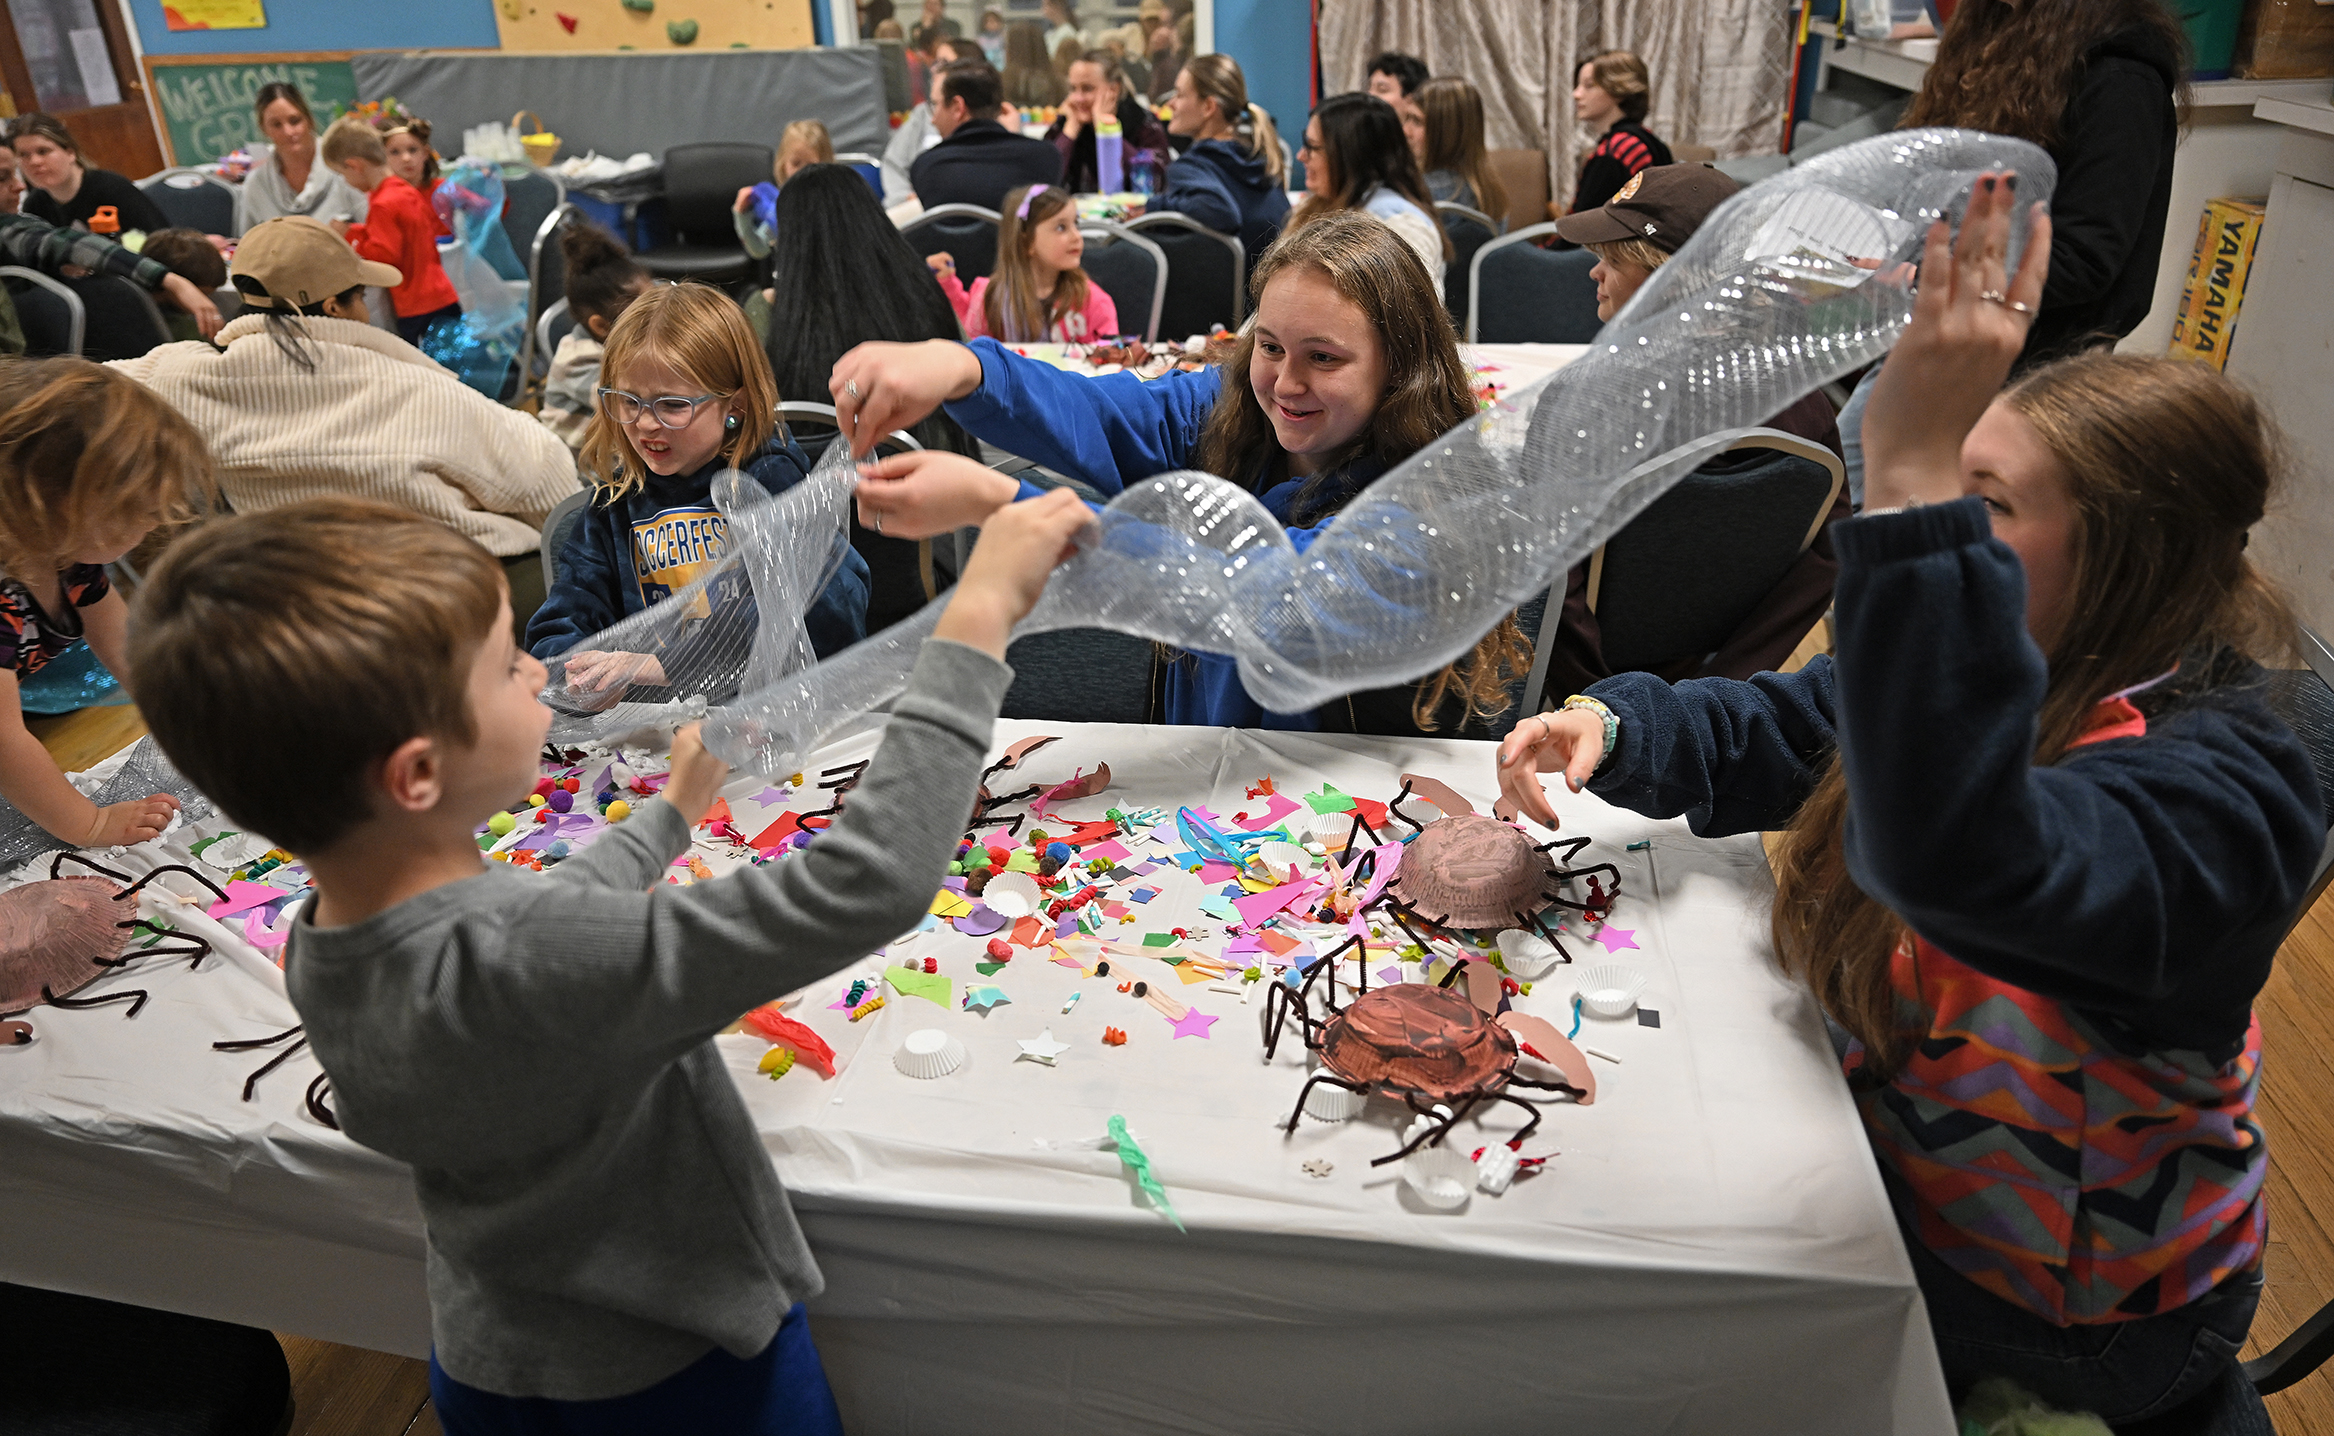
{"x": 1663, "y": 206}
{"x": 294, "y": 262}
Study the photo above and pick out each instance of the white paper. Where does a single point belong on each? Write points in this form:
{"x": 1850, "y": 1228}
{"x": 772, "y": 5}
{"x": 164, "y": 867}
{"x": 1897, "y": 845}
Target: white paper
{"x": 96, "y": 64}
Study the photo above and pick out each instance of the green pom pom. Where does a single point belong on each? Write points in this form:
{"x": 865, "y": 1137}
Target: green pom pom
{"x": 501, "y": 824}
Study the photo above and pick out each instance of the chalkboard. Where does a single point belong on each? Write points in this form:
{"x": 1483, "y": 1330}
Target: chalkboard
{"x": 206, "y": 99}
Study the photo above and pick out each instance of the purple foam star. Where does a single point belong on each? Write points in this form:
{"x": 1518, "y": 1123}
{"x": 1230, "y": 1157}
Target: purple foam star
{"x": 1616, "y": 938}
{"x": 773, "y": 795}
{"x": 1193, "y": 1023}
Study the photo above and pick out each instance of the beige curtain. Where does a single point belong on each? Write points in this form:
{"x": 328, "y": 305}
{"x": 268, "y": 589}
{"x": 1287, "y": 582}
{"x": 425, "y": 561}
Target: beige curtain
{"x": 1719, "y": 68}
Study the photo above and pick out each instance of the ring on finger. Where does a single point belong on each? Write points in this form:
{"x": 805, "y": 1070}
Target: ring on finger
{"x": 851, "y": 387}
{"x": 1994, "y": 296}
{"x": 2017, "y": 308}
{"x": 879, "y": 524}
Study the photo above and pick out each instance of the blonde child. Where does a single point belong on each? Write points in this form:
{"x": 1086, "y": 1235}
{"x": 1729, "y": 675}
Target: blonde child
{"x": 602, "y": 281}
{"x": 805, "y": 142}
{"x": 610, "y": 1248}
{"x": 400, "y": 228}
{"x": 1038, "y": 292}
{"x": 685, "y": 393}
{"x": 89, "y": 464}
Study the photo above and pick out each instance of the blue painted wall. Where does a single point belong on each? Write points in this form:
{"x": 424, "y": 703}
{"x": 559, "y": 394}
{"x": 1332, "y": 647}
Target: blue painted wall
{"x": 1273, "y": 41}
{"x": 331, "y": 25}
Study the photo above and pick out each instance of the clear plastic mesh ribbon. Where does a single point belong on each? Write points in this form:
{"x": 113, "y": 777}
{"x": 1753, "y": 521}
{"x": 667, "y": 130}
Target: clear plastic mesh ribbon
{"x": 1794, "y": 282}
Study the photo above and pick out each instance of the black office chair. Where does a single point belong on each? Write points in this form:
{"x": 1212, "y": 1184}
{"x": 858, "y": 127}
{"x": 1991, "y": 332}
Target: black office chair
{"x": 1535, "y": 296}
{"x": 47, "y": 309}
{"x": 192, "y": 199}
{"x": 65, "y": 1370}
{"x": 1131, "y": 270}
{"x": 1207, "y": 274}
{"x": 701, "y": 185}
{"x": 1685, "y": 573}
{"x": 966, "y": 232}
{"x": 123, "y": 320}
{"x": 1469, "y": 230}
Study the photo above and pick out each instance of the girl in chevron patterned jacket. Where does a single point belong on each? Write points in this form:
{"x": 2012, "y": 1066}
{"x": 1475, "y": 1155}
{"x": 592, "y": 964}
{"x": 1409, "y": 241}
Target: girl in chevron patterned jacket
{"x": 2041, "y": 836}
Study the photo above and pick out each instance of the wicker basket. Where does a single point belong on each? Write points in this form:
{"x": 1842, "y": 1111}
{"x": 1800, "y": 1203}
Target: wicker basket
{"x": 542, "y": 146}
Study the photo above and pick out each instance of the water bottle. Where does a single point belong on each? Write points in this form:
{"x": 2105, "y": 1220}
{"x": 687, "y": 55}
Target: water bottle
{"x": 1109, "y": 159}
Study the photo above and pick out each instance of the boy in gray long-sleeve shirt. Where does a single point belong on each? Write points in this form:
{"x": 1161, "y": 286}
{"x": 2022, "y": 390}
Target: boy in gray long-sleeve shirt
{"x": 607, "y": 1240}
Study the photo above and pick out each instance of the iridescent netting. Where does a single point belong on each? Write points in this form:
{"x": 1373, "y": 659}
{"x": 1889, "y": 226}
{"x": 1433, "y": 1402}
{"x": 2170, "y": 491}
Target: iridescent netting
{"x": 1792, "y": 283}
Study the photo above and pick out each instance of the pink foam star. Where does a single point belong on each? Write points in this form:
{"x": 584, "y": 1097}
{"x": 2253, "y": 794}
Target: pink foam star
{"x": 1193, "y": 1023}
{"x": 1616, "y": 938}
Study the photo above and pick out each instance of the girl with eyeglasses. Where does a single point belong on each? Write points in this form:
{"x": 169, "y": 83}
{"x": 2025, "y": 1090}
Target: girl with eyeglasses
{"x": 685, "y": 393}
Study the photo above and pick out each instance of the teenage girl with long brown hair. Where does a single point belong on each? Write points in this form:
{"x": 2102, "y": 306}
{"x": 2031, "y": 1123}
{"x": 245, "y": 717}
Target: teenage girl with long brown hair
{"x": 1350, "y": 368}
{"x": 2041, "y": 835}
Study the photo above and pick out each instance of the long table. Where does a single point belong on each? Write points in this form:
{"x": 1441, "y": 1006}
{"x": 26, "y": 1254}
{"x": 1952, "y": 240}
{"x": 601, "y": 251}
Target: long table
{"x": 1707, "y": 1248}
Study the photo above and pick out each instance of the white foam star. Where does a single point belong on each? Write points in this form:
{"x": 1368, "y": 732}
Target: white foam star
{"x": 1043, "y": 1048}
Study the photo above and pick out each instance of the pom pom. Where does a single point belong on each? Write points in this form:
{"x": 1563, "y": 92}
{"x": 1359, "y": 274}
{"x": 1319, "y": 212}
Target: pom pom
{"x": 501, "y": 824}
{"x": 619, "y": 810}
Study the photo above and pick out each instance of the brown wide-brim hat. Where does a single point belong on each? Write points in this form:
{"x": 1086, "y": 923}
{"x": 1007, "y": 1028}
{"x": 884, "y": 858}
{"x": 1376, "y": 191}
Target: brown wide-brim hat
{"x": 294, "y": 262}
{"x": 1663, "y": 206}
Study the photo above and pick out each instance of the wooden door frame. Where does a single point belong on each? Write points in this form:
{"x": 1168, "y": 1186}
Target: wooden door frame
{"x": 122, "y": 52}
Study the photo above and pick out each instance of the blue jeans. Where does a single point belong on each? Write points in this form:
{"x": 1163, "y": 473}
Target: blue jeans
{"x": 781, "y": 1392}
{"x": 2121, "y": 1371}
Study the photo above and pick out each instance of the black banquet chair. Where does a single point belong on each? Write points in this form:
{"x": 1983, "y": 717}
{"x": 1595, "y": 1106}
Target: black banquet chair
{"x": 1535, "y": 295}
{"x": 967, "y": 233}
{"x": 701, "y": 185}
{"x": 1131, "y": 270}
{"x": 47, "y": 309}
{"x": 1469, "y": 230}
{"x": 1207, "y": 274}
{"x": 192, "y": 199}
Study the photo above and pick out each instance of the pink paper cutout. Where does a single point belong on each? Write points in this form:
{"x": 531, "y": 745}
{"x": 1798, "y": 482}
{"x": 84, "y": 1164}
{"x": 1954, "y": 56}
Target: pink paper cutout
{"x": 1389, "y": 975}
{"x": 242, "y": 896}
{"x": 1246, "y": 942}
{"x": 1193, "y": 1023}
{"x": 1616, "y": 938}
{"x": 1275, "y": 809}
{"x": 1113, "y": 850}
{"x": 1256, "y": 907}
{"x": 1216, "y": 872}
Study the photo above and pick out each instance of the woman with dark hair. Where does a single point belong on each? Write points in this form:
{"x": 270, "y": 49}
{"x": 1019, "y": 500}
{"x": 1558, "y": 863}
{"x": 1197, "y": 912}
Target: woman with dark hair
{"x": 290, "y": 179}
{"x": 1098, "y": 87}
{"x": 1349, "y": 368}
{"x": 1029, "y": 75}
{"x": 1356, "y": 157}
{"x": 2101, "y": 85}
{"x": 841, "y": 276}
{"x": 1612, "y": 92}
{"x": 65, "y": 191}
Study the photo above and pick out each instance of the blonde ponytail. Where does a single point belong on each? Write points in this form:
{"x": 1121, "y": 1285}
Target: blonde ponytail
{"x": 1218, "y": 78}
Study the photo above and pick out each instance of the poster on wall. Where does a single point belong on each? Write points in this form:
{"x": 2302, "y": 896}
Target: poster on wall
{"x": 215, "y": 14}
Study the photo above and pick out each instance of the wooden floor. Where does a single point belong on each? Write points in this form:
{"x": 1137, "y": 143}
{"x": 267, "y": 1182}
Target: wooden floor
{"x": 345, "y": 1391}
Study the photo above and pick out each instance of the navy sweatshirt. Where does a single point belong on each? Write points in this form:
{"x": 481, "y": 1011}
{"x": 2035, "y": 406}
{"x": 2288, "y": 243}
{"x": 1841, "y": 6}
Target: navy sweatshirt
{"x": 1218, "y": 183}
{"x": 673, "y": 523}
{"x": 1118, "y": 430}
{"x": 2144, "y": 882}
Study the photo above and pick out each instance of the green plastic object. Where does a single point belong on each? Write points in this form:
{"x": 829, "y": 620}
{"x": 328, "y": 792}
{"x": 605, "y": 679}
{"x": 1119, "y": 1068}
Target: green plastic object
{"x": 641, "y": 7}
{"x": 1140, "y": 1165}
{"x": 681, "y": 32}
{"x": 2212, "y": 34}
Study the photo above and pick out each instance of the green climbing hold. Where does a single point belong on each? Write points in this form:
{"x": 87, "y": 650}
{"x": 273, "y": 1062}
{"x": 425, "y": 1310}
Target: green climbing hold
{"x": 641, "y": 7}
{"x": 681, "y": 32}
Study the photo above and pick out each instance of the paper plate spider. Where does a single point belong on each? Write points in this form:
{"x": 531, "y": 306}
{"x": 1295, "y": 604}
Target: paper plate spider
{"x": 1466, "y": 870}
{"x": 1081, "y": 785}
{"x": 1427, "y": 1047}
{"x": 58, "y": 936}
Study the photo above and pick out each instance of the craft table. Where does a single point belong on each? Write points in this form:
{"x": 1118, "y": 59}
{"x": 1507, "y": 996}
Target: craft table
{"x": 1707, "y": 1249}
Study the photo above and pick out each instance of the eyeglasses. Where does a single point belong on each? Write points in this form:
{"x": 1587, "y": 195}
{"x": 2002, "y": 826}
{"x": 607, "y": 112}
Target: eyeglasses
{"x": 1307, "y": 147}
{"x": 671, "y": 410}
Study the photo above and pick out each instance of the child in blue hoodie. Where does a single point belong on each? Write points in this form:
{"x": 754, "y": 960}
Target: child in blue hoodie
{"x": 1231, "y": 179}
{"x": 1349, "y": 369}
{"x": 686, "y": 393}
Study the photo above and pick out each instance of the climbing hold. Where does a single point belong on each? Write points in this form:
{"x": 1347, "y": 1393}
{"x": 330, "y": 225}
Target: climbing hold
{"x": 681, "y": 32}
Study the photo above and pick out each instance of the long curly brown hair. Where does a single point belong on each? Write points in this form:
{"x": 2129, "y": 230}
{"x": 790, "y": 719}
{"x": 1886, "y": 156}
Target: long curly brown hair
{"x": 2169, "y": 464}
{"x": 2011, "y": 69}
{"x": 1429, "y": 391}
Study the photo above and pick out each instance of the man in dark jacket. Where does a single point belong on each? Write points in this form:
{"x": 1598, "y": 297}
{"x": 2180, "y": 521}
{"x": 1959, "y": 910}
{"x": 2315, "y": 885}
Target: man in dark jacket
{"x": 977, "y": 159}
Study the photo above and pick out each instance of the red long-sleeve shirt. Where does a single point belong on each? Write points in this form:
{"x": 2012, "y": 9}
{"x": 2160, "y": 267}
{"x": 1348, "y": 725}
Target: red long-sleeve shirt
{"x": 400, "y": 228}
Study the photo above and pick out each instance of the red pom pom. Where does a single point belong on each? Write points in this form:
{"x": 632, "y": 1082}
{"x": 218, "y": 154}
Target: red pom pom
{"x": 1000, "y": 949}
{"x": 998, "y": 857}
{"x": 931, "y": 964}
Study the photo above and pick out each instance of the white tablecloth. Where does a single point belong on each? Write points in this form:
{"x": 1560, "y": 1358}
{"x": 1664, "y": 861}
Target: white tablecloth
{"x": 1709, "y": 1248}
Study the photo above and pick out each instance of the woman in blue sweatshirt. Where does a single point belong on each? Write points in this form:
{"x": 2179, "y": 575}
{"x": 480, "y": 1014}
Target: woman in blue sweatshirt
{"x": 686, "y": 393}
{"x": 1349, "y": 368}
{"x": 1231, "y": 178}
{"x": 2042, "y": 836}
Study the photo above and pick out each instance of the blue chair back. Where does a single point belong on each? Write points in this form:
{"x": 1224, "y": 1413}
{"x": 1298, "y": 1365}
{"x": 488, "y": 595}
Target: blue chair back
{"x": 1522, "y": 294}
{"x": 966, "y": 232}
{"x": 1131, "y": 270}
{"x": 1207, "y": 274}
{"x": 192, "y": 199}
{"x": 47, "y": 310}
{"x": 1469, "y": 231}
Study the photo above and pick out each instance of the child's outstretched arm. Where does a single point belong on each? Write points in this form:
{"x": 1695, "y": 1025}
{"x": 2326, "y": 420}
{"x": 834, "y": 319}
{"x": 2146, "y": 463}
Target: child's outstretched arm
{"x": 658, "y": 978}
{"x": 29, "y": 778}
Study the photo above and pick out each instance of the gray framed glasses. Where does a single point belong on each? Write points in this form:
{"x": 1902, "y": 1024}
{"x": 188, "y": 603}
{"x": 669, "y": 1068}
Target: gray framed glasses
{"x": 671, "y": 410}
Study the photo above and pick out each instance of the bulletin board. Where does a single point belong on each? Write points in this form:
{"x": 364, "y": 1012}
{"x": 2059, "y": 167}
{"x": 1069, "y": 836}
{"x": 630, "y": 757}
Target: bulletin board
{"x": 653, "y": 25}
{"x": 204, "y": 101}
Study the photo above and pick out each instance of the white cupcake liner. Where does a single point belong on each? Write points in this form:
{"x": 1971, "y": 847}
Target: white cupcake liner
{"x": 1611, "y": 989}
{"x": 1334, "y": 1104}
{"x": 1442, "y": 1178}
{"x": 1528, "y": 955}
{"x": 1011, "y": 895}
{"x": 929, "y": 1053}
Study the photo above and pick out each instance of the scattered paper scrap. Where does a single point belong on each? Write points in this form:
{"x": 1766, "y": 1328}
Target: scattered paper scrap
{"x": 1616, "y": 938}
{"x": 930, "y": 986}
{"x": 1319, "y": 1166}
{"x": 1193, "y": 1023}
{"x": 980, "y": 997}
{"x": 770, "y": 1023}
{"x": 1042, "y": 1048}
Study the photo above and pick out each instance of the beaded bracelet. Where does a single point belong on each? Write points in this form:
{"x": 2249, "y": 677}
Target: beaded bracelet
{"x": 1612, "y": 724}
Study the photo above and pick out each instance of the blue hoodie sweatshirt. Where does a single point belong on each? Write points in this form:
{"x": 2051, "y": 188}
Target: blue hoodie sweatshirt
{"x": 1117, "y": 430}
{"x": 669, "y": 527}
{"x": 1223, "y": 186}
